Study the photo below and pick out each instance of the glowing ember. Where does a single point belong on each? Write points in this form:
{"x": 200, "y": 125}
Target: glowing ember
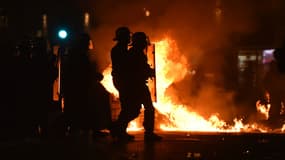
{"x": 171, "y": 67}
{"x": 147, "y": 12}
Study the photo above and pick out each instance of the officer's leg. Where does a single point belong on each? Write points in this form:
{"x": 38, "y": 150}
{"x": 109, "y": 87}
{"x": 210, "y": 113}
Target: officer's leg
{"x": 129, "y": 113}
{"x": 148, "y": 112}
{"x": 130, "y": 109}
{"x": 148, "y": 123}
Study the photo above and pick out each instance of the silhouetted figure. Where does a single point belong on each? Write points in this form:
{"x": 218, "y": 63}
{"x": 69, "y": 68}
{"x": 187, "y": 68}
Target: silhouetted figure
{"x": 43, "y": 76}
{"x": 130, "y": 74}
{"x": 120, "y": 75}
{"x": 140, "y": 73}
{"x": 98, "y": 112}
{"x": 32, "y": 82}
{"x": 86, "y": 102}
{"x": 274, "y": 86}
{"x": 22, "y": 85}
{"x": 75, "y": 82}
{"x": 8, "y": 118}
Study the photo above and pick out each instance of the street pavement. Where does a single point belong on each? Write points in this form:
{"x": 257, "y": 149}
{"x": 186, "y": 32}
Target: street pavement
{"x": 174, "y": 146}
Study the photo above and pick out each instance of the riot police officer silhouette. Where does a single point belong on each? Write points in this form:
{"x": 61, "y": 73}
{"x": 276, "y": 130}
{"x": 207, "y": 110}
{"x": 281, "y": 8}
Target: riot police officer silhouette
{"x": 140, "y": 73}
{"x": 87, "y": 105}
{"x": 133, "y": 87}
{"x": 120, "y": 73}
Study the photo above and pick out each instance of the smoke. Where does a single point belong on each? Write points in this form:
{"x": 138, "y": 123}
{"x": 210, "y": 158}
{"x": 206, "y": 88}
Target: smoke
{"x": 192, "y": 24}
{"x": 198, "y": 33}
{"x": 188, "y": 23}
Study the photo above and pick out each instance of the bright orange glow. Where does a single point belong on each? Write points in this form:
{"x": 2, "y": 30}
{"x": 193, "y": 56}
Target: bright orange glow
{"x": 108, "y": 83}
{"x": 172, "y": 66}
{"x": 134, "y": 126}
{"x": 263, "y": 109}
{"x": 283, "y": 128}
{"x": 147, "y": 12}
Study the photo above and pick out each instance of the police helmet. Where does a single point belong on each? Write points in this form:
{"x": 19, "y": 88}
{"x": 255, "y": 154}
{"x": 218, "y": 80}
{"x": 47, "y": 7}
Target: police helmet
{"x": 122, "y": 33}
{"x": 140, "y": 38}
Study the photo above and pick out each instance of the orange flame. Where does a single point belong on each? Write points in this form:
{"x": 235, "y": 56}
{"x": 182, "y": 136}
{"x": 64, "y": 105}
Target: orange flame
{"x": 108, "y": 82}
{"x": 172, "y": 66}
{"x": 263, "y": 109}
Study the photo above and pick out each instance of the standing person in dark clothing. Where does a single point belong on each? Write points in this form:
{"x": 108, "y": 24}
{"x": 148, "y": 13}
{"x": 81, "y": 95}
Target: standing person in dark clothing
{"x": 33, "y": 81}
{"x": 8, "y": 117}
{"x": 120, "y": 73}
{"x": 87, "y": 103}
{"x": 130, "y": 73}
{"x": 140, "y": 73}
{"x": 75, "y": 82}
{"x": 98, "y": 115}
{"x": 274, "y": 87}
{"x": 42, "y": 75}
{"x": 119, "y": 57}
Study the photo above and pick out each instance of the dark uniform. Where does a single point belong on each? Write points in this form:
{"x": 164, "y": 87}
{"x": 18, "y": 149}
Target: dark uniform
{"x": 76, "y": 79}
{"x": 274, "y": 85}
{"x": 120, "y": 73}
{"x": 140, "y": 73}
{"x": 130, "y": 73}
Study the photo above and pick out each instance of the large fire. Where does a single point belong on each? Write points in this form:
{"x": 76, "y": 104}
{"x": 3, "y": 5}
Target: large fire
{"x": 180, "y": 117}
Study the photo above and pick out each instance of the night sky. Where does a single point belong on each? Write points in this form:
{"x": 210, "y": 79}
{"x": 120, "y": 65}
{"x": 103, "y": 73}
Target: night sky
{"x": 184, "y": 17}
{"x": 191, "y": 23}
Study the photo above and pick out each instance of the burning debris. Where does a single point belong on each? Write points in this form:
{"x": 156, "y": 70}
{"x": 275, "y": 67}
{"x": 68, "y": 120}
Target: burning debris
{"x": 172, "y": 68}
